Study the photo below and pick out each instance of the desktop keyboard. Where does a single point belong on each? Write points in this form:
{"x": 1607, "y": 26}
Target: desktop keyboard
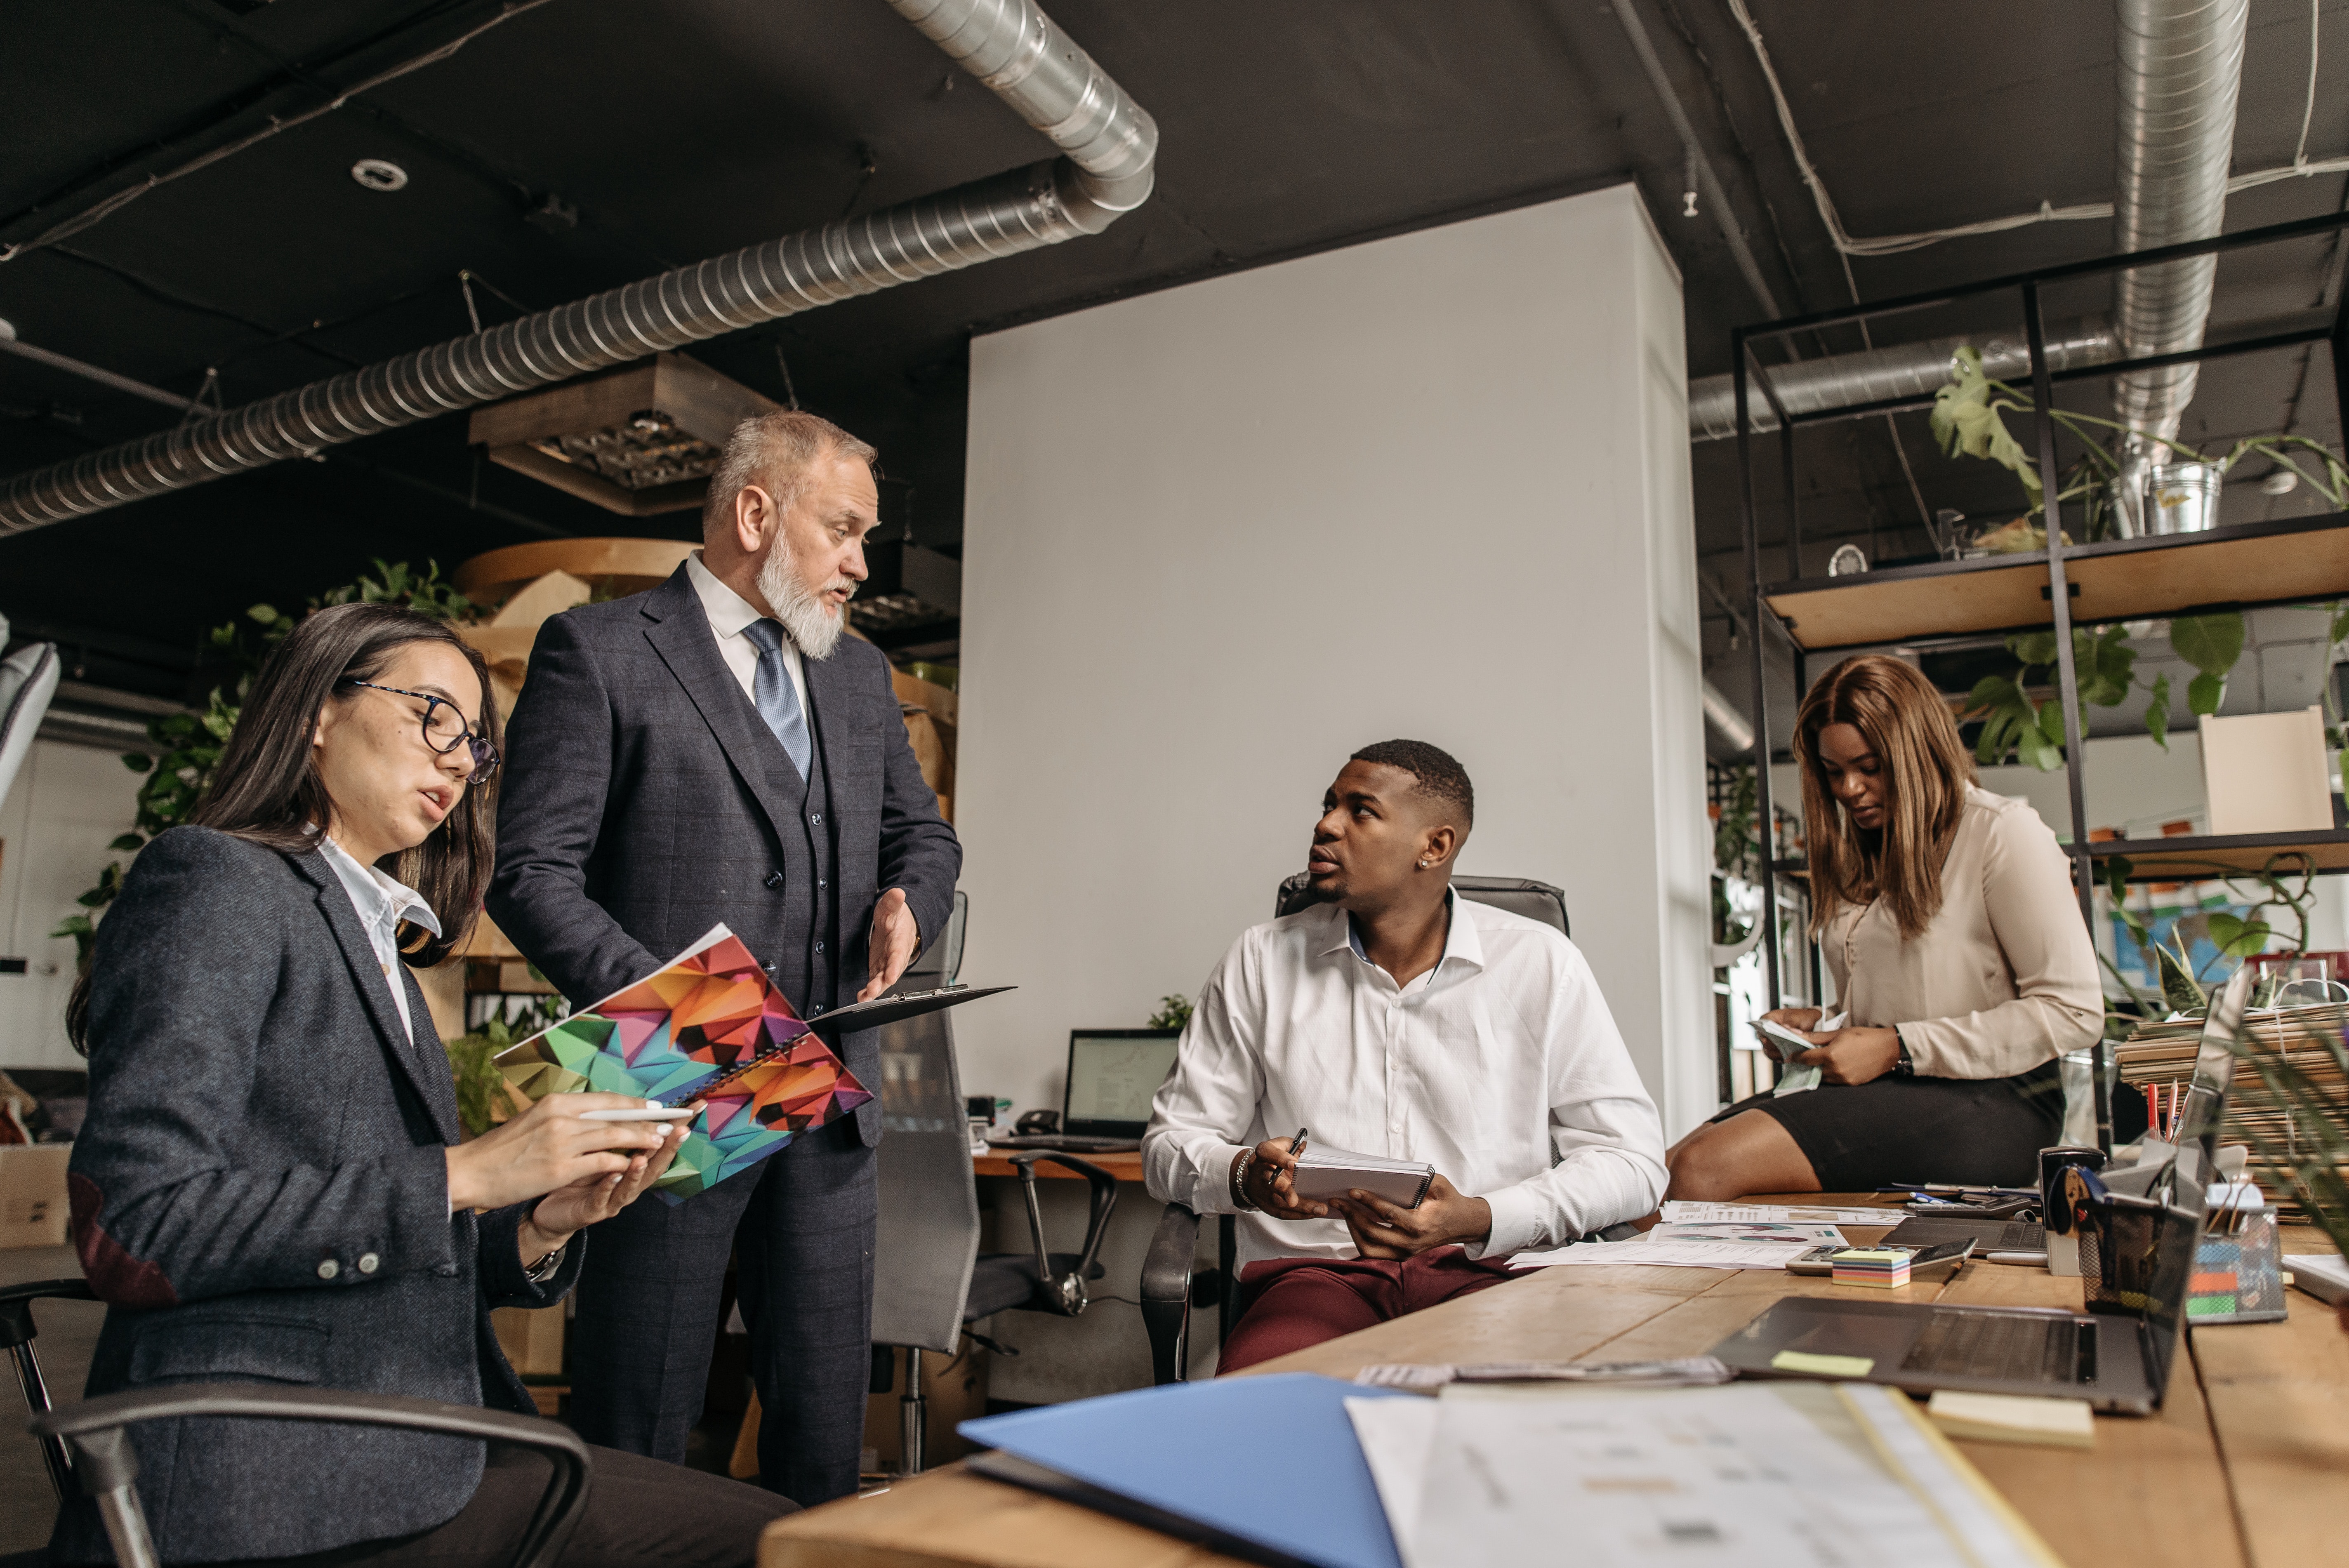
{"x": 1066, "y": 1143}
{"x": 1993, "y": 1344}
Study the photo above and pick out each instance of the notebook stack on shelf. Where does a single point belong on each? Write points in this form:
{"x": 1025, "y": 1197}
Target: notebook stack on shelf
{"x": 1885, "y": 1268}
{"x": 2160, "y": 1059}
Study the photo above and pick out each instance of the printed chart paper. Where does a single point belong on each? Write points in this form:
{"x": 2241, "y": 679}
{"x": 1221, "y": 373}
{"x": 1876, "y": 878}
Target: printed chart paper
{"x": 710, "y": 1026}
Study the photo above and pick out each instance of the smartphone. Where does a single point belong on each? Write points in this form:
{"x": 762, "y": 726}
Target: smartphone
{"x": 1782, "y": 1042}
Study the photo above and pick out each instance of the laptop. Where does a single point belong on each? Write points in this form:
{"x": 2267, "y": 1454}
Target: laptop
{"x": 1106, "y": 1106}
{"x": 2116, "y": 1354}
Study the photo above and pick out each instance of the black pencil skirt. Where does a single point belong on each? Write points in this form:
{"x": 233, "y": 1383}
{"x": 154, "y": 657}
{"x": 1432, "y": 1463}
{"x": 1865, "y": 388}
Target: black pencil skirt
{"x": 1860, "y": 1136}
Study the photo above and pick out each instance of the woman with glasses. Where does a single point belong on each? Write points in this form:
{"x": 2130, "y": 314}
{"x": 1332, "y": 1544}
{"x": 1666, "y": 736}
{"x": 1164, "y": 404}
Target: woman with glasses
{"x": 272, "y": 1185}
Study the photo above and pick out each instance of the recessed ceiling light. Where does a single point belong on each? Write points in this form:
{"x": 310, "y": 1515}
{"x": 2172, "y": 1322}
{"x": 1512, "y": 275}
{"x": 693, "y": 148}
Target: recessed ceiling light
{"x": 379, "y": 174}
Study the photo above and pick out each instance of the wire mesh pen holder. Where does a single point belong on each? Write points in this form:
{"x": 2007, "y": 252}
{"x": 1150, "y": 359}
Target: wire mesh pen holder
{"x": 2131, "y": 1252}
{"x": 2237, "y": 1270}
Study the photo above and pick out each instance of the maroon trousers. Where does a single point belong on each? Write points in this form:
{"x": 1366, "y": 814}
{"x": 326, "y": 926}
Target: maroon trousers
{"x": 1288, "y": 1303}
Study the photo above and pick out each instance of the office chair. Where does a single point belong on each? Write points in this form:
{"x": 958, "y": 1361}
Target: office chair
{"x": 1170, "y": 1285}
{"x": 86, "y": 1441}
{"x": 108, "y": 1469}
{"x": 930, "y": 1280}
{"x": 16, "y": 1332}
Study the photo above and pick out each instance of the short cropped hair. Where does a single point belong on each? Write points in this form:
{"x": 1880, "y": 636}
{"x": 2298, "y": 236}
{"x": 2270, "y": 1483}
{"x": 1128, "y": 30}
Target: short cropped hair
{"x": 1439, "y": 774}
{"x": 775, "y": 451}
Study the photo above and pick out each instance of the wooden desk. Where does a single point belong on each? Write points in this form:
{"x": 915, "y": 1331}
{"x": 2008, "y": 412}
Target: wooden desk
{"x": 996, "y": 1162}
{"x": 2246, "y": 1467}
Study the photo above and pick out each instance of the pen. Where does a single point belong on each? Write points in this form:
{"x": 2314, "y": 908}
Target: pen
{"x": 1297, "y": 1144}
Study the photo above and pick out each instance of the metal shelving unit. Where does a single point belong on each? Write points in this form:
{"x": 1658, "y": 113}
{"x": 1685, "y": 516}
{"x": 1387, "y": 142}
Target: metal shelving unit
{"x": 2238, "y": 568}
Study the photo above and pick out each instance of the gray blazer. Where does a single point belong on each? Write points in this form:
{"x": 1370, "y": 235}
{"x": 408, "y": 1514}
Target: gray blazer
{"x": 642, "y": 805}
{"x": 260, "y": 1195}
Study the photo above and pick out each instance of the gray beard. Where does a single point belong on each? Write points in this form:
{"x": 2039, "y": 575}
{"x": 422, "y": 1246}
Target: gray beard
{"x": 813, "y": 629}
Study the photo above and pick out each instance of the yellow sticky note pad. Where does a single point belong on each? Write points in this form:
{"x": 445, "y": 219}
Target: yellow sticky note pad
{"x": 1811, "y": 1365}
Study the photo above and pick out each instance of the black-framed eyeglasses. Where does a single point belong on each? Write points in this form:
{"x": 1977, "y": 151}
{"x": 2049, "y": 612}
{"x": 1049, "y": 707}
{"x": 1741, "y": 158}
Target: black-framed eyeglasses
{"x": 445, "y": 729}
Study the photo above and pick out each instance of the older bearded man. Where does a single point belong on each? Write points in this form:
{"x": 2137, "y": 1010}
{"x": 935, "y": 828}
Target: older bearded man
{"x": 713, "y": 750}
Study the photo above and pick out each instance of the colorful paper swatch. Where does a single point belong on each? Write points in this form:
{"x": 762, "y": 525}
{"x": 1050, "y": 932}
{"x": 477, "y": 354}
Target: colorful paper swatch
{"x": 708, "y": 1026}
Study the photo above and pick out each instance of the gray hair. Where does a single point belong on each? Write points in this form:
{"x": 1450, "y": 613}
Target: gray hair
{"x": 775, "y": 451}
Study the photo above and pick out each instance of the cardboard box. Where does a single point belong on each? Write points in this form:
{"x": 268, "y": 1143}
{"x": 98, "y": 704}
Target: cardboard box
{"x": 33, "y": 1194}
{"x": 2266, "y": 773}
{"x": 531, "y": 1339}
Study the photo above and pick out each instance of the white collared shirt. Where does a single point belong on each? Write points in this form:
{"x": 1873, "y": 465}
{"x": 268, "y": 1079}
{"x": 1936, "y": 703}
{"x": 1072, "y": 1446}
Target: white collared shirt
{"x": 1502, "y": 1068}
{"x": 382, "y": 903}
{"x": 729, "y": 613}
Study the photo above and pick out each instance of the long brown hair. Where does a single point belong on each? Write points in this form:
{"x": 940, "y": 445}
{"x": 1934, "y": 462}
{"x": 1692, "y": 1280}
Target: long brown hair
{"x": 1926, "y": 769}
{"x": 265, "y": 789}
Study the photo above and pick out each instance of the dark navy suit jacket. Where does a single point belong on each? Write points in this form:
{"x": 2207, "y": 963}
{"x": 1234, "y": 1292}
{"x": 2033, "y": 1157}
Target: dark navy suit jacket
{"x": 645, "y": 801}
{"x": 260, "y": 1194}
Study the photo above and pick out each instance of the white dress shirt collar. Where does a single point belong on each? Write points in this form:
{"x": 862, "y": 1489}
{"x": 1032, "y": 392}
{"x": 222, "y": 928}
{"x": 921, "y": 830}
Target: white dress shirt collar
{"x": 1460, "y": 939}
{"x": 382, "y": 903}
{"x": 728, "y": 615}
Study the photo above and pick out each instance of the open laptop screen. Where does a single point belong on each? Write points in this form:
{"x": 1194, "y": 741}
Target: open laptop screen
{"x": 1112, "y": 1074}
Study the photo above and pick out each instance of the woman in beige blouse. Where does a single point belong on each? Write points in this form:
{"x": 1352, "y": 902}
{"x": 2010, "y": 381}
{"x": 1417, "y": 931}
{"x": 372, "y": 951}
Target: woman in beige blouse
{"x": 1948, "y": 922}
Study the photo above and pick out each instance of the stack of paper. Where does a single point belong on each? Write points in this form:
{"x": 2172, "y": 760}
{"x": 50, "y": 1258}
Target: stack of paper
{"x": 2160, "y": 1059}
{"x": 1678, "y": 1210}
{"x": 1883, "y": 1268}
{"x": 2031, "y": 1419}
{"x": 1708, "y": 1244}
{"x": 1747, "y": 1476}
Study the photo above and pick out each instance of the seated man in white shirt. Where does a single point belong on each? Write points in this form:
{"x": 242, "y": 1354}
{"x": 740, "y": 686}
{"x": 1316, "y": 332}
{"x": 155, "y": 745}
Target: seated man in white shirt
{"x": 1397, "y": 1018}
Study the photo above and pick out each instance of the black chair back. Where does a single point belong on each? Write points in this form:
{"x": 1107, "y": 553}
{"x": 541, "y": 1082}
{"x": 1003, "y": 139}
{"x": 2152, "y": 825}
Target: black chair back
{"x": 1519, "y": 895}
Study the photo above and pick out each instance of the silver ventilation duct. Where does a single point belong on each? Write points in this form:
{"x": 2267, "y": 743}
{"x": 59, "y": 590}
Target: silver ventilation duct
{"x": 1876, "y": 375}
{"x": 1111, "y": 145}
{"x": 2181, "y": 73}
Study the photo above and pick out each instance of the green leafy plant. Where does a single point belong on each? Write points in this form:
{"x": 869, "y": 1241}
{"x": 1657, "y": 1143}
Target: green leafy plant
{"x": 1969, "y": 420}
{"x": 2015, "y": 725}
{"x": 1173, "y": 1013}
{"x": 1734, "y": 842}
{"x": 189, "y": 744}
{"x": 480, "y": 1087}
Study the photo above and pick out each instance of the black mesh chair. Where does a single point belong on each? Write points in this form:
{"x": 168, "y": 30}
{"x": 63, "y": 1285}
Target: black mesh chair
{"x": 16, "y": 1332}
{"x": 930, "y": 1280}
{"x": 103, "y": 1461}
{"x": 1171, "y": 1284}
{"x": 87, "y": 1442}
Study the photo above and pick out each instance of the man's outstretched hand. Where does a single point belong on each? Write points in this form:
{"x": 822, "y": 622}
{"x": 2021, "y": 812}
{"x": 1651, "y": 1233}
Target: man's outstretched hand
{"x": 896, "y": 938}
{"x": 1445, "y": 1215}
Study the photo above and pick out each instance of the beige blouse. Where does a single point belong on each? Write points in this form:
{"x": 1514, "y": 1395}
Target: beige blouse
{"x": 2003, "y": 979}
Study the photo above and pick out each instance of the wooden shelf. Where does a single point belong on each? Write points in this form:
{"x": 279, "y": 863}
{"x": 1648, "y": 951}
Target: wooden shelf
{"x": 2126, "y": 579}
{"x": 2195, "y": 860}
{"x": 2198, "y": 860}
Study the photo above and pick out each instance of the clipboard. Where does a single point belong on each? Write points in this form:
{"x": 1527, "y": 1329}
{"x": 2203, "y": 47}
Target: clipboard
{"x": 881, "y": 1010}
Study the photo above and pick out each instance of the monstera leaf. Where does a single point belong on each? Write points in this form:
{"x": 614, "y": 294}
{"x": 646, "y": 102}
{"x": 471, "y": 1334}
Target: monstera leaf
{"x": 1965, "y": 420}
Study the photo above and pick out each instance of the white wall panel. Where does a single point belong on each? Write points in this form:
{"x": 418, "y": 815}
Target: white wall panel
{"x": 1218, "y": 537}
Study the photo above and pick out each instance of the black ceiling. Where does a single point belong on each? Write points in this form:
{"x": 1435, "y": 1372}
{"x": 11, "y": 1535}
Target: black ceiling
{"x": 679, "y": 128}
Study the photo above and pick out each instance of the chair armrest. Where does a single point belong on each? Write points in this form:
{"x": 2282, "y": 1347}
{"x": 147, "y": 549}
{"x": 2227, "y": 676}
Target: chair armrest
{"x": 16, "y": 1305}
{"x": 107, "y": 1467}
{"x": 1166, "y": 1294}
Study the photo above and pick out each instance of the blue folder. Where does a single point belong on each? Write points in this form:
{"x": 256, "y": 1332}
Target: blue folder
{"x": 1267, "y": 1466}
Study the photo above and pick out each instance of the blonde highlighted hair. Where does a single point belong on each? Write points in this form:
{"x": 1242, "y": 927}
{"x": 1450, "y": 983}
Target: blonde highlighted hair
{"x": 1926, "y": 769}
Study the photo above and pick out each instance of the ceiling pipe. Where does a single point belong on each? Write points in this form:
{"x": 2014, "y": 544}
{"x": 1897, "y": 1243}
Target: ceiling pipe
{"x": 1110, "y": 145}
{"x": 2180, "y": 77}
{"x": 1879, "y": 375}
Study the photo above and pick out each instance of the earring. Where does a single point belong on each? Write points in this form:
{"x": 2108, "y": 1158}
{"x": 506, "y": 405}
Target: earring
{"x": 1423, "y": 865}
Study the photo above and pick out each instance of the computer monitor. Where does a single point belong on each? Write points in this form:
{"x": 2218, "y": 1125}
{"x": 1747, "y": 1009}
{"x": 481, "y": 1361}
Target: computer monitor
{"x": 1112, "y": 1074}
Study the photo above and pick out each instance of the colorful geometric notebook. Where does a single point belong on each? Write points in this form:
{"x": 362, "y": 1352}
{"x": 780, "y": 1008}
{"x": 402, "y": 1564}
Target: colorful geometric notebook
{"x": 708, "y": 1026}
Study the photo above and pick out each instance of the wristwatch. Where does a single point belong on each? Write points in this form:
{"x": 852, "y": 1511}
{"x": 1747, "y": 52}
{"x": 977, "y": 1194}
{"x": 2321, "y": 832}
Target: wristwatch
{"x": 1907, "y": 1066}
{"x": 1240, "y": 1167}
{"x": 545, "y": 1269}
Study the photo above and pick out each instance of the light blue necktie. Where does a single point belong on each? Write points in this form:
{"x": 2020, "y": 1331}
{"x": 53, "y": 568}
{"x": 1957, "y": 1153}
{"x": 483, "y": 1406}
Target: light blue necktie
{"x": 778, "y": 700}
